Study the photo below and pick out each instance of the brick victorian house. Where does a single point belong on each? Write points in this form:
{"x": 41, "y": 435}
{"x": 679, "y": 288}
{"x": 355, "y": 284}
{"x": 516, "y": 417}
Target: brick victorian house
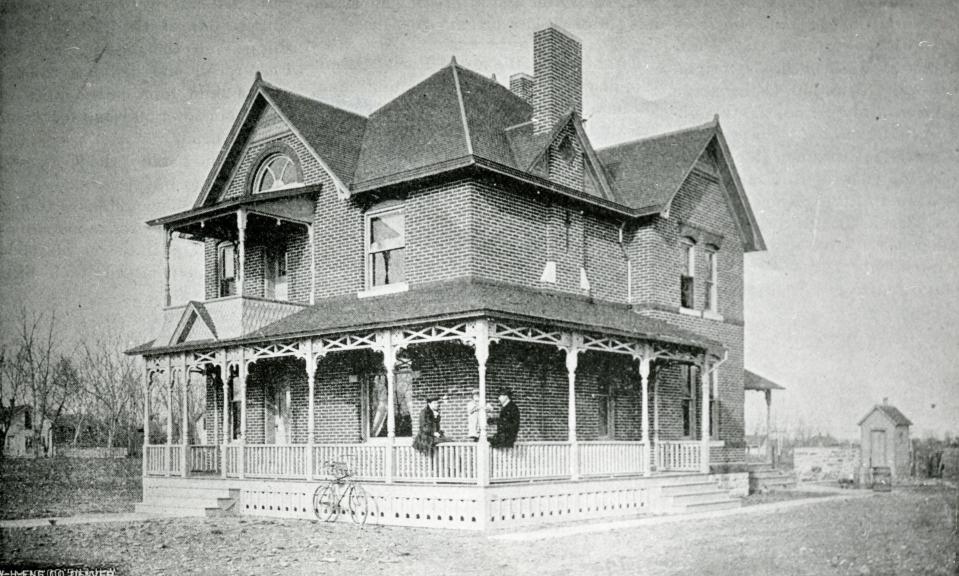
{"x": 464, "y": 235}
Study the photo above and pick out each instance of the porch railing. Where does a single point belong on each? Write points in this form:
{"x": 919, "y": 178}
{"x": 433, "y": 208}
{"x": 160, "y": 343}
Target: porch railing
{"x": 204, "y": 458}
{"x": 155, "y": 456}
{"x": 611, "y": 458}
{"x": 530, "y": 461}
{"x": 453, "y": 462}
{"x": 679, "y": 456}
{"x": 275, "y": 461}
{"x": 366, "y": 460}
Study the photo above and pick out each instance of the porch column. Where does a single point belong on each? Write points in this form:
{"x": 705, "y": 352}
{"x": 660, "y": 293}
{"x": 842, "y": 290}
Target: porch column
{"x": 169, "y": 416}
{"x": 644, "y": 376}
{"x": 385, "y": 342}
{"x": 184, "y": 417}
{"x": 704, "y": 420}
{"x": 312, "y": 356}
{"x": 241, "y": 250}
{"x": 225, "y": 377}
{"x": 243, "y": 371}
{"x": 572, "y": 361}
{"x": 167, "y": 238}
{"x": 481, "y": 349}
{"x": 769, "y": 406}
{"x": 146, "y": 412}
{"x": 656, "y": 461}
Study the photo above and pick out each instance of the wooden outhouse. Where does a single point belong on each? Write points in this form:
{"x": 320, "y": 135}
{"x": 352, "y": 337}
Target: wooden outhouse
{"x": 885, "y": 440}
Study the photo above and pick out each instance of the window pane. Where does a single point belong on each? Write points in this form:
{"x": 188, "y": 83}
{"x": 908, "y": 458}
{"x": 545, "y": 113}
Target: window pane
{"x": 266, "y": 181}
{"x": 227, "y": 260}
{"x": 389, "y": 267}
{"x": 387, "y": 227}
{"x": 286, "y": 170}
{"x": 687, "y": 288}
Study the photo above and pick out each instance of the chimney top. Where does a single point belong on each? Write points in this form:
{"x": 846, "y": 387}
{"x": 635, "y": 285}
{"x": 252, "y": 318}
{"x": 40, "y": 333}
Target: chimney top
{"x": 558, "y": 73}
{"x": 885, "y": 401}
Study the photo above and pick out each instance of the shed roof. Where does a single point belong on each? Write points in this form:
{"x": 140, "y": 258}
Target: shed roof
{"x": 753, "y": 381}
{"x": 893, "y": 413}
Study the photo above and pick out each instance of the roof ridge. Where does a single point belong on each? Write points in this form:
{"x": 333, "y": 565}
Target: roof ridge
{"x": 314, "y": 100}
{"x": 443, "y": 69}
{"x": 710, "y": 124}
{"x": 462, "y": 107}
{"x": 490, "y": 81}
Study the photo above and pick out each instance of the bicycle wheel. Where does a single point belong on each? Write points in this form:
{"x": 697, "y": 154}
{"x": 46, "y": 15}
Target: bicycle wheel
{"x": 326, "y": 502}
{"x": 359, "y": 504}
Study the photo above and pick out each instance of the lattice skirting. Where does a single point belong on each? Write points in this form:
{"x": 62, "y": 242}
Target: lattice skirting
{"x": 443, "y": 506}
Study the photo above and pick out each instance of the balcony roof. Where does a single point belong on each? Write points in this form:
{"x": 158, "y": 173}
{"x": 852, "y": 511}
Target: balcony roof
{"x": 283, "y": 204}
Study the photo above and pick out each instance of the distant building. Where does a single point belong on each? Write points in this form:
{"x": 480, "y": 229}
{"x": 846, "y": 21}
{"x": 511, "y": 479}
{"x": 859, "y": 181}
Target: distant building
{"x": 20, "y": 438}
{"x": 885, "y": 439}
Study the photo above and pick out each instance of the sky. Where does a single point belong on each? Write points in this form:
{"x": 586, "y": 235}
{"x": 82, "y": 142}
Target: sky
{"x": 842, "y": 118}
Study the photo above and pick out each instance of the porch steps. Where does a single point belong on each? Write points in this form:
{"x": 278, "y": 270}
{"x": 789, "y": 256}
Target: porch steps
{"x": 696, "y": 495}
{"x": 764, "y": 478}
{"x": 190, "y": 501}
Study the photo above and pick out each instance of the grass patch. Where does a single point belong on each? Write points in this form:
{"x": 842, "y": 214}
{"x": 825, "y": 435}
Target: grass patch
{"x": 31, "y": 488}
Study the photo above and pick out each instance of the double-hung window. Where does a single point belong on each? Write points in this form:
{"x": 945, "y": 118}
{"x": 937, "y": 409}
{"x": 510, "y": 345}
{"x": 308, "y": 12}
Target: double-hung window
{"x": 226, "y": 263}
{"x": 712, "y": 275}
{"x": 687, "y": 280}
{"x": 385, "y": 247}
{"x": 689, "y": 376}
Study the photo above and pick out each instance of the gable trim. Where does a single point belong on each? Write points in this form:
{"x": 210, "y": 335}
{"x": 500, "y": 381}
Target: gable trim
{"x": 192, "y": 314}
{"x": 256, "y": 91}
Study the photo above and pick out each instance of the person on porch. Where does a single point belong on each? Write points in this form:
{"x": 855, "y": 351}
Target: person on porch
{"x": 507, "y": 423}
{"x": 430, "y": 433}
{"x": 473, "y": 416}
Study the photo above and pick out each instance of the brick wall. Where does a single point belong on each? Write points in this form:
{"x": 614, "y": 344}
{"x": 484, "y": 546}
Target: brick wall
{"x": 658, "y": 257}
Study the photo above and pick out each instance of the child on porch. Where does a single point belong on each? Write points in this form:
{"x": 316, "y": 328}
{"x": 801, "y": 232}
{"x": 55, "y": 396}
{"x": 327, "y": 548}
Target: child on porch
{"x": 473, "y": 416}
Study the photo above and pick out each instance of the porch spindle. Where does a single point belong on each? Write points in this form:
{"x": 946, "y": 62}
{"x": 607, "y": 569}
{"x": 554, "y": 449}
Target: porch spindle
{"x": 704, "y": 423}
{"x": 184, "y": 417}
{"x": 572, "y": 361}
{"x": 146, "y": 412}
{"x": 481, "y": 348}
{"x": 169, "y": 417}
{"x": 644, "y": 376}
{"x": 225, "y": 377}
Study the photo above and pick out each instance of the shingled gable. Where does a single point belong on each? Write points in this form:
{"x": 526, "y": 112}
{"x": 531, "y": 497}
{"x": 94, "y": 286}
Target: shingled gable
{"x": 331, "y": 134}
{"x": 646, "y": 174}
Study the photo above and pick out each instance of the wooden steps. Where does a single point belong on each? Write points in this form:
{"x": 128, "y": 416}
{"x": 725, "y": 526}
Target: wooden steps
{"x": 696, "y": 494}
{"x": 190, "y": 500}
{"x": 764, "y": 478}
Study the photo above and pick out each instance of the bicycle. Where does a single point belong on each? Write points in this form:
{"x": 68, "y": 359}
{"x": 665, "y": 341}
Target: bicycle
{"x": 328, "y": 498}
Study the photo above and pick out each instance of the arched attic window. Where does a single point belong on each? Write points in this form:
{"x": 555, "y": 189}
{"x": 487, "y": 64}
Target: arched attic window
{"x": 276, "y": 172}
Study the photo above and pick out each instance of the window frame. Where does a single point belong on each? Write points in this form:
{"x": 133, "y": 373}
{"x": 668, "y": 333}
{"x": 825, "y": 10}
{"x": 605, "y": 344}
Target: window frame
{"x": 385, "y": 209}
{"x": 275, "y": 257}
{"x": 606, "y": 397}
{"x": 264, "y": 166}
{"x": 712, "y": 279}
{"x": 687, "y": 280}
{"x": 689, "y": 375}
{"x": 220, "y": 269}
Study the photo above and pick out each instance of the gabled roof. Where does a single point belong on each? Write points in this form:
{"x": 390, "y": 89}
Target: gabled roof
{"x": 333, "y": 135}
{"x": 646, "y": 174}
{"x": 753, "y": 381}
{"x": 893, "y": 413}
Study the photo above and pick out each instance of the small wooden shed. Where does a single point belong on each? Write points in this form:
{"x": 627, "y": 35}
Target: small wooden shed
{"x": 884, "y": 433}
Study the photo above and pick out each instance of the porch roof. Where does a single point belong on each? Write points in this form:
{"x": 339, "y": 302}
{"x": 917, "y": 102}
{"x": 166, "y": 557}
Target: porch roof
{"x": 474, "y": 298}
{"x": 753, "y": 381}
{"x": 457, "y": 300}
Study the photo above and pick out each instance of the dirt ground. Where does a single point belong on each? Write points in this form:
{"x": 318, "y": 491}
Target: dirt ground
{"x": 907, "y": 531}
{"x": 67, "y": 486}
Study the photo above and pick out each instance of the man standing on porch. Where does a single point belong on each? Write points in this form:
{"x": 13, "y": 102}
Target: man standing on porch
{"x": 507, "y": 424}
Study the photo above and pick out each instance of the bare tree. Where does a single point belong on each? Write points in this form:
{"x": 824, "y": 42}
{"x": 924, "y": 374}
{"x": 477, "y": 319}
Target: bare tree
{"x": 37, "y": 374}
{"x": 111, "y": 379}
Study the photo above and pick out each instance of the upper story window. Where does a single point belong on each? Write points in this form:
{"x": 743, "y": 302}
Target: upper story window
{"x": 385, "y": 246}
{"x": 226, "y": 267}
{"x": 712, "y": 276}
{"x": 275, "y": 275}
{"x": 687, "y": 282}
{"x": 276, "y": 173}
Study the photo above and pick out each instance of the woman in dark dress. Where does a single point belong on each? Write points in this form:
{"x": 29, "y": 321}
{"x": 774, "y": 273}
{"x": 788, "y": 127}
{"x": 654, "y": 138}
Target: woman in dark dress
{"x": 430, "y": 433}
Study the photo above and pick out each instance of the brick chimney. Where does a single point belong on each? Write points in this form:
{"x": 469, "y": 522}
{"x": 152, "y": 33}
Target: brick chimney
{"x": 558, "y": 74}
{"x": 521, "y": 84}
